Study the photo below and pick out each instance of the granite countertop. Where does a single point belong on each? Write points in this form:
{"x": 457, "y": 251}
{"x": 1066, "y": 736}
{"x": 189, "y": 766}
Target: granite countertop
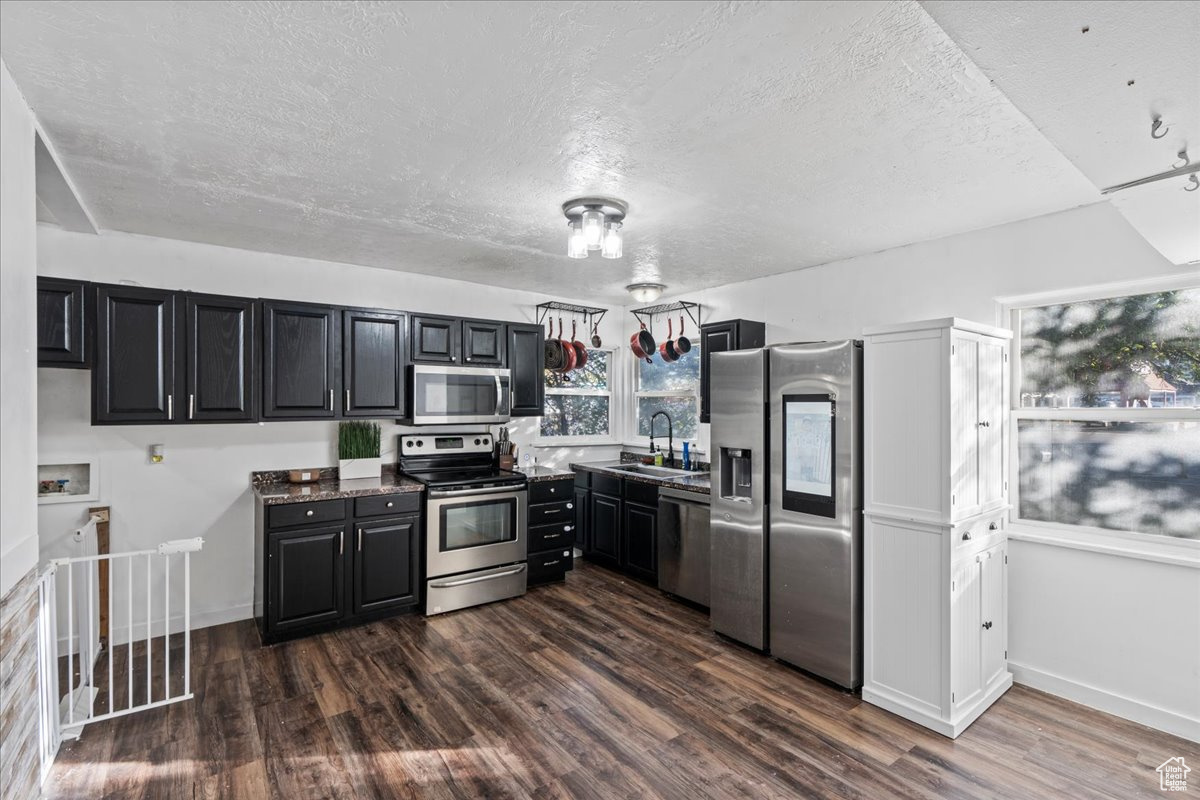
{"x": 699, "y": 482}
{"x": 538, "y": 474}
{"x": 330, "y": 488}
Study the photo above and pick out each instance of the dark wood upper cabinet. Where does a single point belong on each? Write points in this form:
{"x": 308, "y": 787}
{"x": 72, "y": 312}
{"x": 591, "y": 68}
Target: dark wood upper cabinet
{"x": 62, "y": 324}
{"x": 373, "y": 361}
{"x": 484, "y": 344}
{"x": 527, "y": 363}
{"x": 718, "y": 337}
{"x": 220, "y": 335}
{"x": 300, "y": 360}
{"x": 307, "y": 577}
{"x": 436, "y": 340}
{"x": 386, "y": 557}
{"x": 137, "y": 352}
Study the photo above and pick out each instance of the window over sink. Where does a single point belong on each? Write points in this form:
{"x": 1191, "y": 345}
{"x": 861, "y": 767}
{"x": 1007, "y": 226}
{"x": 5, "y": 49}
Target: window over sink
{"x": 1106, "y": 408}
{"x": 673, "y": 388}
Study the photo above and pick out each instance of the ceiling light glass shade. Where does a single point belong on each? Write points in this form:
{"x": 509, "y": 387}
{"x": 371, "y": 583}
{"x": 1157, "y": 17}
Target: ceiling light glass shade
{"x": 593, "y": 228}
{"x": 645, "y": 292}
{"x": 576, "y": 243}
{"x": 612, "y": 247}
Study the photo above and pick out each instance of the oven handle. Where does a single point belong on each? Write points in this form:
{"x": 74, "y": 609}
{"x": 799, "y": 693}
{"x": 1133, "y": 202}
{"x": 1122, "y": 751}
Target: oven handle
{"x": 478, "y": 492}
{"x": 476, "y": 578}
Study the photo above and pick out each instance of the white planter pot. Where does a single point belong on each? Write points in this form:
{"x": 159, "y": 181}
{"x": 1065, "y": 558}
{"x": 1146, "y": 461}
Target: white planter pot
{"x": 354, "y": 468}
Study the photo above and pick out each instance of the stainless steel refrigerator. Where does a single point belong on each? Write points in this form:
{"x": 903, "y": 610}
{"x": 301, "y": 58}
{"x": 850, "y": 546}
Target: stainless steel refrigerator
{"x": 786, "y": 569}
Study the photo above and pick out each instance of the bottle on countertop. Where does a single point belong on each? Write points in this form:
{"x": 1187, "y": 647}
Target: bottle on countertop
{"x": 658, "y": 459}
{"x": 687, "y": 457}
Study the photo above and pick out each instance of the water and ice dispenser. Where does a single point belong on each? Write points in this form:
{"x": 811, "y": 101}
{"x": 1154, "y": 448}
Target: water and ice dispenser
{"x": 736, "y": 474}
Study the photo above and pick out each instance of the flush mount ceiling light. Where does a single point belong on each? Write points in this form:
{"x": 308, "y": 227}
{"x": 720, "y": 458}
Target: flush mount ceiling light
{"x": 645, "y": 292}
{"x": 594, "y": 223}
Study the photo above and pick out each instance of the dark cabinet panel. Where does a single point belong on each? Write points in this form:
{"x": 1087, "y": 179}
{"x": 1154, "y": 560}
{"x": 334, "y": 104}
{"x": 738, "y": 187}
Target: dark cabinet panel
{"x": 373, "y": 360}
{"x": 604, "y": 529}
{"x": 436, "y": 339}
{"x": 385, "y": 564}
{"x": 136, "y": 355}
{"x": 307, "y": 577}
{"x": 484, "y": 343}
{"x": 718, "y": 337}
{"x": 527, "y": 363}
{"x": 300, "y": 348}
{"x": 581, "y": 518}
{"x": 62, "y": 323}
{"x": 220, "y": 335}
{"x": 641, "y": 541}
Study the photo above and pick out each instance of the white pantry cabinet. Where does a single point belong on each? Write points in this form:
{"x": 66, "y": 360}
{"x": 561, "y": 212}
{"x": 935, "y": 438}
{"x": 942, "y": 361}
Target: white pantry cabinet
{"x": 936, "y": 501}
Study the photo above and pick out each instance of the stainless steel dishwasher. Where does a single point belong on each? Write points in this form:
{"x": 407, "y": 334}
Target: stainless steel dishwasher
{"x": 683, "y": 554}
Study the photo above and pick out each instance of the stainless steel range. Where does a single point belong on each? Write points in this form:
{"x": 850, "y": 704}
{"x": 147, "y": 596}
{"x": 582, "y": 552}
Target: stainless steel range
{"x": 475, "y": 520}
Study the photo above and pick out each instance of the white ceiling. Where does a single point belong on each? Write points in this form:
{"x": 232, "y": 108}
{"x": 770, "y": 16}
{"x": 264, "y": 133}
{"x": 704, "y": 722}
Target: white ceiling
{"x": 1075, "y": 88}
{"x": 748, "y": 138}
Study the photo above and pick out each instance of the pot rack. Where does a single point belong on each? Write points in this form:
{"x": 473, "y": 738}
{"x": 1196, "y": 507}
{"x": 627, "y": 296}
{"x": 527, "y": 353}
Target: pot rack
{"x": 648, "y": 313}
{"x": 593, "y": 314}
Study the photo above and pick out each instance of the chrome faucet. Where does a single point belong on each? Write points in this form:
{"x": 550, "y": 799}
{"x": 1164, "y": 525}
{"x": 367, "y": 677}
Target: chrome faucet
{"x": 670, "y": 435}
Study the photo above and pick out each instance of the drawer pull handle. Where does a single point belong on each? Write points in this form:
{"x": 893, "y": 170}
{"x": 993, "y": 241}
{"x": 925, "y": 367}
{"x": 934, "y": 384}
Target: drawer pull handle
{"x": 987, "y": 626}
{"x": 553, "y": 490}
{"x": 552, "y": 563}
{"x": 308, "y": 513}
{"x": 390, "y": 504}
{"x": 567, "y": 529}
{"x": 992, "y": 526}
{"x": 966, "y": 536}
{"x": 570, "y": 505}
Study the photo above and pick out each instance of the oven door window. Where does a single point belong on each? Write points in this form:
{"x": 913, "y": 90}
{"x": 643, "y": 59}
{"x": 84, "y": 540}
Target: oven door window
{"x": 478, "y": 524}
{"x": 808, "y": 454}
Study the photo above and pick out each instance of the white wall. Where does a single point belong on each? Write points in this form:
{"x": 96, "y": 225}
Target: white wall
{"x": 18, "y": 337}
{"x": 202, "y": 488}
{"x": 1110, "y": 631}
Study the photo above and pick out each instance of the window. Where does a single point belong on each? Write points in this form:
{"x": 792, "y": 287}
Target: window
{"x": 1107, "y": 413}
{"x": 579, "y": 404}
{"x": 673, "y": 388}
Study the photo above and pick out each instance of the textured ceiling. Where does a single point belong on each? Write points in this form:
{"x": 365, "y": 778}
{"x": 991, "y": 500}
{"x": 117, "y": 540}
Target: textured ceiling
{"x": 748, "y": 138}
{"x": 1075, "y": 87}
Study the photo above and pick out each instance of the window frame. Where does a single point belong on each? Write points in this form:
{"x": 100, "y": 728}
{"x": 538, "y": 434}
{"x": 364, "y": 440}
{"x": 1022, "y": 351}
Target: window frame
{"x": 1150, "y": 546}
{"x": 636, "y": 440}
{"x": 613, "y": 413}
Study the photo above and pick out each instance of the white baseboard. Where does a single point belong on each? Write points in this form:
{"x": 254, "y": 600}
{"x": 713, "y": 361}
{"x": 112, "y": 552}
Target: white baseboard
{"x": 1115, "y": 704}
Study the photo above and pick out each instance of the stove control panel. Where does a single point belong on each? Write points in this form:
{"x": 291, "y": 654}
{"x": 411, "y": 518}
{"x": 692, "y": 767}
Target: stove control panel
{"x": 445, "y": 444}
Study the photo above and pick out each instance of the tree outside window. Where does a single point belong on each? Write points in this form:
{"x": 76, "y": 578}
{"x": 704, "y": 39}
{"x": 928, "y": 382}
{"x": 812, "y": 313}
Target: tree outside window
{"x": 579, "y": 404}
{"x": 673, "y": 388}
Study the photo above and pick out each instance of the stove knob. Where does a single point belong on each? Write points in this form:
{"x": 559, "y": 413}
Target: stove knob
{"x": 485, "y": 441}
{"x": 420, "y": 443}
{"x": 408, "y": 444}
{"x": 476, "y": 441}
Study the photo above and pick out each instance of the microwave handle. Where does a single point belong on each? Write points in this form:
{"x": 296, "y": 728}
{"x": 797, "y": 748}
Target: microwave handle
{"x": 499, "y": 394}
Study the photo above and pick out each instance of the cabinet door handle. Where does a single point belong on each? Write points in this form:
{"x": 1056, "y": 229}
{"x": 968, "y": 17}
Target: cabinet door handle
{"x": 985, "y": 424}
{"x": 170, "y": 406}
{"x": 360, "y": 540}
{"x": 347, "y": 399}
{"x": 570, "y": 505}
{"x": 331, "y": 399}
{"x": 341, "y": 543}
{"x": 191, "y": 406}
{"x": 308, "y": 513}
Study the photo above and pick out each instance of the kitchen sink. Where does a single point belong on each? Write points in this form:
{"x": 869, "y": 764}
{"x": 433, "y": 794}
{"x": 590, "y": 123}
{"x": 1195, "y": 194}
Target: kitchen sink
{"x": 653, "y": 472}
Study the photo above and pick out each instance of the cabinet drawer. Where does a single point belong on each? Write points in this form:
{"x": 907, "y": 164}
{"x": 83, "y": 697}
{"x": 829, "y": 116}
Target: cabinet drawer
{"x": 404, "y": 503}
{"x": 552, "y": 537}
{"x": 606, "y": 484}
{"x": 971, "y": 533}
{"x": 291, "y": 514}
{"x": 550, "y": 491}
{"x": 583, "y": 479}
{"x": 546, "y": 513}
{"x": 549, "y": 566}
{"x": 644, "y": 493}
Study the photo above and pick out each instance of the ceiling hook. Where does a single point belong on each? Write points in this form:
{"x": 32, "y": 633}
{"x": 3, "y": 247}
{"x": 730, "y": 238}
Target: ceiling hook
{"x": 1154, "y": 126}
{"x": 1182, "y": 154}
{"x": 1194, "y": 181}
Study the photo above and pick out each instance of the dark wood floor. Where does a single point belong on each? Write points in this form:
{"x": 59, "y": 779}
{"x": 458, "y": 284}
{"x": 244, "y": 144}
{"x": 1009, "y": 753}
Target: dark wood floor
{"x": 602, "y": 688}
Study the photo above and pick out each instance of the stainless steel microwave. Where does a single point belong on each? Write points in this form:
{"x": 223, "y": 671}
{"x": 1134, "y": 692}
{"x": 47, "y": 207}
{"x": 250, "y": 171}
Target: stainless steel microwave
{"x": 448, "y": 395}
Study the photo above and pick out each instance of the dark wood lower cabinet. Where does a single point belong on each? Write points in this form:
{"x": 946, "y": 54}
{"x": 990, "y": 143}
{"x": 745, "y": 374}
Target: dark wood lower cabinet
{"x": 604, "y": 529}
{"x": 552, "y": 519}
{"x": 340, "y": 571}
{"x": 582, "y": 523}
{"x": 641, "y": 541}
{"x": 307, "y": 577}
{"x": 385, "y": 564}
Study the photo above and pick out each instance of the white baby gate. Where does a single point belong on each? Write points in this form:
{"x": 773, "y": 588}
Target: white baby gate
{"x": 64, "y": 715}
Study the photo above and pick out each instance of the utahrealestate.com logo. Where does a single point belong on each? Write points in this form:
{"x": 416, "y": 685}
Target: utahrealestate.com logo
{"x": 1172, "y": 775}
